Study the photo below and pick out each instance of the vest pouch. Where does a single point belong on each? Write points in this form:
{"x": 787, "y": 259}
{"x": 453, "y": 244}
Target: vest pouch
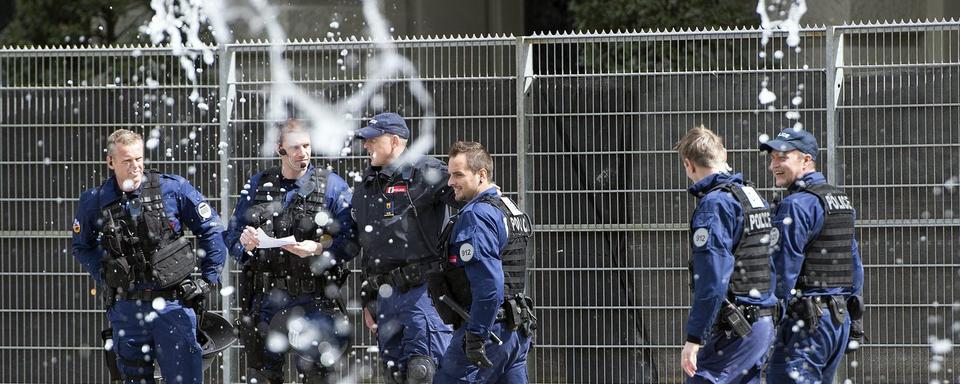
{"x": 173, "y": 263}
{"x": 115, "y": 272}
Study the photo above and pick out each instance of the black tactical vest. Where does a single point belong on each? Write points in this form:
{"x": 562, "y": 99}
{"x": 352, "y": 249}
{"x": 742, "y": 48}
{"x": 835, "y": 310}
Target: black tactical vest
{"x": 513, "y": 258}
{"x": 141, "y": 243}
{"x": 299, "y": 219}
{"x": 752, "y": 267}
{"x": 828, "y": 259}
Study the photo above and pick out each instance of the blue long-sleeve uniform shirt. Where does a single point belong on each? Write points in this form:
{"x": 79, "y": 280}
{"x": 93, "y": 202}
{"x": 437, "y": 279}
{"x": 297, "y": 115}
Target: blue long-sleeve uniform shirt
{"x": 799, "y": 219}
{"x": 719, "y": 217}
{"x": 337, "y": 198}
{"x": 476, "y": 241}
{"x": 183, "y": 205}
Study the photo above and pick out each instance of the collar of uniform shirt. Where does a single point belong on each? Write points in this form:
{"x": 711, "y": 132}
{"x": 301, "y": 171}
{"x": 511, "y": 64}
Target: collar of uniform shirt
{"x": 111, "y": 191}
{"x": 811, "y": 178}
{"x": 306, "y": 176}
{"x": 702, "y": 187}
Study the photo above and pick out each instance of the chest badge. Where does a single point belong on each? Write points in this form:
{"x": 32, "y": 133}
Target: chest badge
{"x": 388, "y": 209}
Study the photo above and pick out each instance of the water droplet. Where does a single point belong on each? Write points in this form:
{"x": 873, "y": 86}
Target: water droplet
{"x": 767, "y": 97}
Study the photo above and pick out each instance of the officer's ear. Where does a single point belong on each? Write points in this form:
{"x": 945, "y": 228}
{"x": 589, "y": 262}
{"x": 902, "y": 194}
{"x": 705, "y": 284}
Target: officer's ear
{"x": 110, "y": 162}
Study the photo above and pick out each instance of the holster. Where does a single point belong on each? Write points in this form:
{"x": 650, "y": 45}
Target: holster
{"x": 110, "y": 356}
{"x": 838, "y": 310}
{"x": 528, "y": 322}
{"x": 250, "y": 337}
{"x": 856, "y": 308}
{"x": 806, "y": 309}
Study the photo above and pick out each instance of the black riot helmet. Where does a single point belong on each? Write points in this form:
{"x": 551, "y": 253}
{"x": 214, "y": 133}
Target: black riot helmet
{"x": 215, "y": 335}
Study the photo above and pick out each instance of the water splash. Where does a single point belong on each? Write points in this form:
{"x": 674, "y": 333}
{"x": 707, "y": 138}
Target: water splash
{"x": 774, "y": 17}
{"x": 331, "y": 124}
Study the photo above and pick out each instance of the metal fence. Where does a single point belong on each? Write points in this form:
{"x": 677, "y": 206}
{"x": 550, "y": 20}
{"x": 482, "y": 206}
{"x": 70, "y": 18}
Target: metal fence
{"x": 581, "y": 127}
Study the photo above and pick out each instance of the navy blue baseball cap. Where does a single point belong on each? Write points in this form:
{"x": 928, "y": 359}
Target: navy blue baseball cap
{"x": 384, "y": 123}
{"x": 790, "y": 139}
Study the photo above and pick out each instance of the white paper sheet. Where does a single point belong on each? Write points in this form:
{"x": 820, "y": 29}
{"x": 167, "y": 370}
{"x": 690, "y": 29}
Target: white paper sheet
{"x": 269, "y": 242}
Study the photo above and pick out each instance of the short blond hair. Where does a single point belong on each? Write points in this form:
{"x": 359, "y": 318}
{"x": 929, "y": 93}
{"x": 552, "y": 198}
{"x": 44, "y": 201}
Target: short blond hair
{"x": 290, "y": 126}
{"x": 703, "y": 148}
{"x": 122, "y": 137}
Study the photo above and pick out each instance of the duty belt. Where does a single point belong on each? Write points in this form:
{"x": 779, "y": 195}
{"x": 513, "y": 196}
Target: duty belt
{"x": 264, "y": 282}
{"x": 406, "y": 277}
{"x": 148, "y": 294}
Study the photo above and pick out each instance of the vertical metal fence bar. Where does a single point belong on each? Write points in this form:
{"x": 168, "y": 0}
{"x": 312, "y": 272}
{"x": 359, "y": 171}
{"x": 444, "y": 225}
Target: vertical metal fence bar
{"x": 834, "y": 56}
{"x": 227, "y": 69}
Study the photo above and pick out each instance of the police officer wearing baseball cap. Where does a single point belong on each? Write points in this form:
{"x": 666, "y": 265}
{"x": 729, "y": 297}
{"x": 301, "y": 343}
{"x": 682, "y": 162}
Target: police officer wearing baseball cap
{"x": 819, "y": 271}
{"x": 400, "y": 209}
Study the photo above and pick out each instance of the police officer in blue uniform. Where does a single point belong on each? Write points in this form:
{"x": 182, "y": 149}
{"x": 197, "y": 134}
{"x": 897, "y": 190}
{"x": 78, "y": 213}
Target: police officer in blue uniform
{"x": 292, "y": 292}
{"x": 481, "y": 287}
{"x": 818, "y": 266}
{"x": 400, "y": 208}
{"x": 128, "y": 234}
{"x": 730, "y": 269}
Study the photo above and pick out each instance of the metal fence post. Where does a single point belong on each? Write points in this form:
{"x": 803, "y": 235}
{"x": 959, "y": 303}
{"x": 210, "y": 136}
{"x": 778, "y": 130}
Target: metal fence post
{"x": 226, "y": 98}
{"x": 524, "y": 69}
{"x": 834, "y": 82}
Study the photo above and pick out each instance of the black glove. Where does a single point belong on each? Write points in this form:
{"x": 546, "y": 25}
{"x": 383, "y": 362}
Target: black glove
{"x": 193, "y": 292}
{"x": 856, "y": 335}
{"x": 473, "y": 348}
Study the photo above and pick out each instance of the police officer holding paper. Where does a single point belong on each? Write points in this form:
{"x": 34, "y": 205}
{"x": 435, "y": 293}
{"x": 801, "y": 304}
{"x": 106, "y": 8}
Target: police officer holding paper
{"x": 292, "y": 292}
{"x": 819, "y": 271}
{"x": 731, "y": 324}
{"x": 481, "y": 287}
{"x": 128, "y": 234}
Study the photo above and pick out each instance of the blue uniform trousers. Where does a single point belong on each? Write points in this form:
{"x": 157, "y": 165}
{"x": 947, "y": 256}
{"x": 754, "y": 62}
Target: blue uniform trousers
{"x": 509, "y": 360}
{"x": 143, "y": 335}
{"x": 804, "y": 356}
{"x": 734, "y": 359}
{"x": 311, "y": 332}
{"x": 408, "y": 325}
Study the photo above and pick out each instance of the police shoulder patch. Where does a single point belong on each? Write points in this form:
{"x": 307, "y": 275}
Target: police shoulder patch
{"x": 204, "y": 210}
{"x": 76, "y": 225}
{"x": 700, "y": 237}
{"x": 466, "y": 252}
